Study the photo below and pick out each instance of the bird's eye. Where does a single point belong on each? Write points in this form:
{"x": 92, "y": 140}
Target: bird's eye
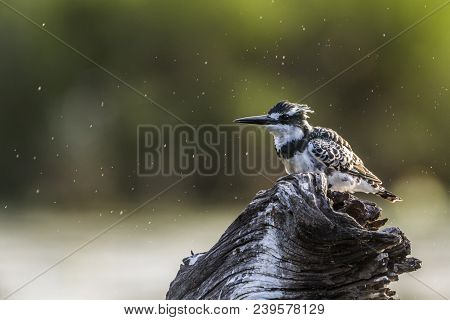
{"x": 284, "y": 117}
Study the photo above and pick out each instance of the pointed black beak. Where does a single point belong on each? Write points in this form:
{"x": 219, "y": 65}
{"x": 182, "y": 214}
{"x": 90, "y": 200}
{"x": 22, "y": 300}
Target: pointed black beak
{"x": 264, "y": 119}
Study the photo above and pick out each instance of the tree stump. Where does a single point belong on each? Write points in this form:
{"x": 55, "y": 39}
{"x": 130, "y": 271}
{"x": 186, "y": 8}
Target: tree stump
{"x": 299, "y": 241}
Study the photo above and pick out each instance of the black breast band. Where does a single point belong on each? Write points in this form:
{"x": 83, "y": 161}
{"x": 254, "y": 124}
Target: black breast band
{"x": 289, "y": 149}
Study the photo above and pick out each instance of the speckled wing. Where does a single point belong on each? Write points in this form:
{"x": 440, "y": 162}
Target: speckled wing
{"x": 331, "y": 154}
{"x": 360, "y": 170}
{"x": 335, "y": 153}
{"x": 329, "y": 134}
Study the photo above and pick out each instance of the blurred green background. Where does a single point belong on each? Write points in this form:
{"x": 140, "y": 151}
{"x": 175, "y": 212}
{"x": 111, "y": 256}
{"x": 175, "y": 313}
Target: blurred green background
{"x": 68, "y": 129}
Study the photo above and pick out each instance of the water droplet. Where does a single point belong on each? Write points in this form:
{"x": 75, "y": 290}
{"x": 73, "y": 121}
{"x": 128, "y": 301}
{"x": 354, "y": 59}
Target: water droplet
{"x": 39, "y": 88}
{"x": 37, "y": 191}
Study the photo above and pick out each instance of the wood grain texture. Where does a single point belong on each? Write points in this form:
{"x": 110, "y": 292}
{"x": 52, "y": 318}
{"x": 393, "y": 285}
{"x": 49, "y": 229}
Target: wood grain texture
{"x": 299, "y": 241}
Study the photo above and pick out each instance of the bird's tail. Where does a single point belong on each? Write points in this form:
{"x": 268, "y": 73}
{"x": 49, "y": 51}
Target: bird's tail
{"x": 388, "y": 195}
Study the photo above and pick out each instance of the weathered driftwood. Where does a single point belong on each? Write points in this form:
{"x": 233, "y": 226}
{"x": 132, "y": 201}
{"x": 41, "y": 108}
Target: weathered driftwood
{"x": 296, "y": 242}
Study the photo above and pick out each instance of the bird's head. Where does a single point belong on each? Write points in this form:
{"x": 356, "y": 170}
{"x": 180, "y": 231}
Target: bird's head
{"x": 285, "y": 118}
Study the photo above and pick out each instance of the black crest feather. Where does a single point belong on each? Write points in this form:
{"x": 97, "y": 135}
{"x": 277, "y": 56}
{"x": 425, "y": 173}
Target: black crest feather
{"x": 285, "y": 106}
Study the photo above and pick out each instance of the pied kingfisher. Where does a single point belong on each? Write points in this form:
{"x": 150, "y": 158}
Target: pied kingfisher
{"x": 303, "y": 148}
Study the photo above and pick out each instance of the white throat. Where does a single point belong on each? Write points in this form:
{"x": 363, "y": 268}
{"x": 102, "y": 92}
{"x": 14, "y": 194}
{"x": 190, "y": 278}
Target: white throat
{"x": 284, "y": 133}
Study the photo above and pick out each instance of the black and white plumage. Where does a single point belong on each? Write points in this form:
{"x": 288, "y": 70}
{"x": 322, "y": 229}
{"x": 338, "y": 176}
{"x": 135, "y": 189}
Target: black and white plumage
{"x": 303, "y": 148}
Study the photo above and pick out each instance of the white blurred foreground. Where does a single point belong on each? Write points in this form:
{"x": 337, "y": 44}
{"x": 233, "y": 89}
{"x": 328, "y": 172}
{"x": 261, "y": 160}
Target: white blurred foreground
{"x": 140, "y": 257}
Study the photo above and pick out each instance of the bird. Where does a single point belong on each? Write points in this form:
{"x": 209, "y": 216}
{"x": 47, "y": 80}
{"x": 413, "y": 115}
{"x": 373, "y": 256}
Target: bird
{"x": 303, "y": 149}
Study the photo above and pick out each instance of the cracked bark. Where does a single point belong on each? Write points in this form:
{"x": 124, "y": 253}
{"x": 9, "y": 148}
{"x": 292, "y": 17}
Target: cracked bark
{"x": 299, "y": 241}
